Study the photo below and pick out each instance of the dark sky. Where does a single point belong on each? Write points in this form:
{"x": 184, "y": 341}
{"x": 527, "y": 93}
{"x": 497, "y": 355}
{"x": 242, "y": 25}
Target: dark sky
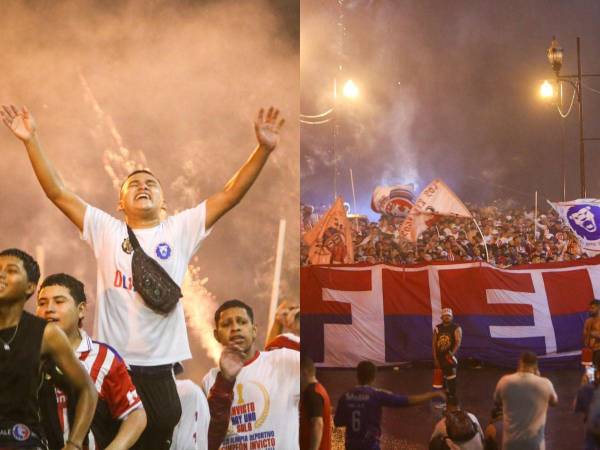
{"x": 448, "y": 90}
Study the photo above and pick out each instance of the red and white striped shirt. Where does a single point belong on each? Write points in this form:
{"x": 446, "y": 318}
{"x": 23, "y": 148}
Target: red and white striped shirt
{"x": 108, "y": 372}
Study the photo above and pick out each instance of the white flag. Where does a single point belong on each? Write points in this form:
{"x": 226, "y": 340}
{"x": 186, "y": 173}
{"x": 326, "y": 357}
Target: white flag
{"x": 435, "y": 201}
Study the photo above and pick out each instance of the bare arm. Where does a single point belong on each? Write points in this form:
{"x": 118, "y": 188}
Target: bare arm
{"x": 436, "y": 364}
{"x": 267, "y": 133}
{"x": 56, "y": 346}
{"x": 316, "y": 432}
{"x": 130, "y": 430}
{"x": 422, "y": 398}
{"x": 586, "y": 332}
{"x": 457, "y": 339}
{"x": 23, "y": 126}
{"x": 277, "y": 327}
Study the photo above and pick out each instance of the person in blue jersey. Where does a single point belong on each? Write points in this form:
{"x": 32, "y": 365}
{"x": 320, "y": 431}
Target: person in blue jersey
{"x": 360, "y": 409}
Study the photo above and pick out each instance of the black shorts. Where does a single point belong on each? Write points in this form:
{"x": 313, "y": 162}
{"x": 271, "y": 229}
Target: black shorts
{"x": 156, "y": 387}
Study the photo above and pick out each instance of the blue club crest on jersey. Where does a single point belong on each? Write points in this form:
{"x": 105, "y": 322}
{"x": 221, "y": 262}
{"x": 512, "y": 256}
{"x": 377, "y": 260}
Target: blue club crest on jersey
{"x": 163, "y": 250}
{"x": 585, "y": 221}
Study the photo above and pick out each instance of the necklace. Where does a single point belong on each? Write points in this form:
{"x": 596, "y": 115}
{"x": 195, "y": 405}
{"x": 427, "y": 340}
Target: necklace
{"x": 7, "y": 343}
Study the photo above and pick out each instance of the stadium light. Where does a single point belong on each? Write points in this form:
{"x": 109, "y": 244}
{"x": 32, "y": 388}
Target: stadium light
{"x": 555, "y": 58}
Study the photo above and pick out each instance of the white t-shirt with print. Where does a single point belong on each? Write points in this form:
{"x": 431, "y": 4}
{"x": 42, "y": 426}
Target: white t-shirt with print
{"x": 123, "y": 320}
{"x": 264, "y": 412}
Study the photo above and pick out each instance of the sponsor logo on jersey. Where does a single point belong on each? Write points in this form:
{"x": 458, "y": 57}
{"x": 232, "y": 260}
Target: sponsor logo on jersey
{"x": 163, "y": 250}
{"x": 123, "y": 281}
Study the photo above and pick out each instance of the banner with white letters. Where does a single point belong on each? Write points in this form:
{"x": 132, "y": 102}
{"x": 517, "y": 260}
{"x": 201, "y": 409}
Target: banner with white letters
{"x": 385, "y": 314}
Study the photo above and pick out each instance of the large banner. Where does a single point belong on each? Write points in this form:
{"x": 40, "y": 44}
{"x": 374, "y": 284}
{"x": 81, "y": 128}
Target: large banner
{"x": 385, "y": 314}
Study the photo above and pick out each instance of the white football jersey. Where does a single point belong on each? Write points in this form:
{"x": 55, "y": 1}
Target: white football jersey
{"x": 264, "y": 412}
{"x": 141, "y": 336}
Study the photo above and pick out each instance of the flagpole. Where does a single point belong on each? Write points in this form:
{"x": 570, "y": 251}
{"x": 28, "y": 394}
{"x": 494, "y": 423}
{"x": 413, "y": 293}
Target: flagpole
{"x": 353, "y": 194}
{"x": 535, "y": 214}
{"x": 277, "y": 274}
{"x": 487, "y": 255}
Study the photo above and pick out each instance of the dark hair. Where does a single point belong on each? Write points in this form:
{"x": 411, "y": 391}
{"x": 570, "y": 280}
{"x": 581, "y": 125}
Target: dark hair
{"x": 452, "y": 401}
{"x": 307, "y": 364}
{"x": 528, "y": 358}
{"x": 365, "y": 372}
{"x": 595, "y": 302}
{"x": 30, "y": 265}
{"x": 234, "y": 303}
{"x": 75, "y": 287}
{"x": 136, "y": 172}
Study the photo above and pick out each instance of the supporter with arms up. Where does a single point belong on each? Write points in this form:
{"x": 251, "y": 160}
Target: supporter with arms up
{"x": 151, "y": 340}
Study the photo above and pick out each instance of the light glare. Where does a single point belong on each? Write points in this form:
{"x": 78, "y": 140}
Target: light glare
{"x": 350, "y": 89}
{"x": 547, "y": 90}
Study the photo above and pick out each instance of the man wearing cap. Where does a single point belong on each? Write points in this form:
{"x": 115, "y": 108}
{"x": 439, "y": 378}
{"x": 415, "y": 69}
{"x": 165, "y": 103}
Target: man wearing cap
{"x": 447, "y": 337}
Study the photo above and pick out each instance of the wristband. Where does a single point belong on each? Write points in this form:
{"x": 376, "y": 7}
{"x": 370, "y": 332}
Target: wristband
{"x": 78, "y": 447}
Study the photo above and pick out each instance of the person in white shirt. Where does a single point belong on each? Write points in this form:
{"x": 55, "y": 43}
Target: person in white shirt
{"x": 266, "y": 391}
{"x": 150, "y": 342}
{"x": 525, "y": 397}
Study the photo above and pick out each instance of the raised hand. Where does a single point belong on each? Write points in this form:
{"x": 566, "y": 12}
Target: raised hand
{"x": 21, "y": 123}
{"x": 267, "y": 128}
{"x": 231, "y": 362}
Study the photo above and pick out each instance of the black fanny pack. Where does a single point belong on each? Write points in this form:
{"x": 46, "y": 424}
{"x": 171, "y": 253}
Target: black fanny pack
{"x": 151, "y": 280}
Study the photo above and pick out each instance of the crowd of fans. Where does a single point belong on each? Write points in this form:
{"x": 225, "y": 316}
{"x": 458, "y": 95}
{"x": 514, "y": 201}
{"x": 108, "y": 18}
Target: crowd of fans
{"x": 508, "y": 231}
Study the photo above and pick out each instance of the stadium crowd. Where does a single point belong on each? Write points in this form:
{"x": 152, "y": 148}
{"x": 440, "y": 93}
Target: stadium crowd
{"x": 508, "y": 231}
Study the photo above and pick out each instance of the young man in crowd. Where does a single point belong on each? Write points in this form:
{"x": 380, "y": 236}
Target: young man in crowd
{"x": 525, "y": 397}
{"x": 591, "y": 331}
{"x": 360, "y": 409}
{"x": 315, "y": 409}
{"x": 265, "y": 391}
{"x": 119, "y": 419}
{"x": 25, "y": 342}
{"x": 447, "y": 337}
{"x": 151, "y": 342}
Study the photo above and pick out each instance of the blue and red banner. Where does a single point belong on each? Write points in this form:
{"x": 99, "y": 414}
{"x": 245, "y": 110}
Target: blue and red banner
{"x": 386, "y": 314}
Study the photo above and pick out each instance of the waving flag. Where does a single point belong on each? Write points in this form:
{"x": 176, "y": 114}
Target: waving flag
{"x": 393, "y": 200}
{"x": 330, "y": 240}
{"x": 435, "y": 201}
{"x": 582, "y": 216}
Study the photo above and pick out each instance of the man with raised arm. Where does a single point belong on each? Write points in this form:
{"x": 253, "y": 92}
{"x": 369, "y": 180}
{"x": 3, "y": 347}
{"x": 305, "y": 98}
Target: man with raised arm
{"x": 150, "y": 342}
{"x": 25, "y": 342}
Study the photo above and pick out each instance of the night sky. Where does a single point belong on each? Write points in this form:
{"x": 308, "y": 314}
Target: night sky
{"x": 448, "y": 90}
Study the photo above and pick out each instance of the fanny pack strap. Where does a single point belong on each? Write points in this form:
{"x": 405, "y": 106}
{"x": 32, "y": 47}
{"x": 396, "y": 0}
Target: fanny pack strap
{"x": 133, "y": 240}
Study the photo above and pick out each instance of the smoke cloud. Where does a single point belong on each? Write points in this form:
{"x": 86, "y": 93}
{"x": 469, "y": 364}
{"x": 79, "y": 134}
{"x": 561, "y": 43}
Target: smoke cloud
{"x": 175, "y": 86}
{"x": 449, "y": 90}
